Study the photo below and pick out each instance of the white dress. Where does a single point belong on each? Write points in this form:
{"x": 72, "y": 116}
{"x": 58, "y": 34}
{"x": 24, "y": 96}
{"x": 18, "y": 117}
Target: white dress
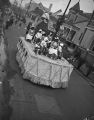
{"x": 28, "y": 36}
{"x": 53, "y": 51}
{"x": 38, "y": 35}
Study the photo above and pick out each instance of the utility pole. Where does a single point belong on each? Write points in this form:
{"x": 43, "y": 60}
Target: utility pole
{"x": 60, "y": 21}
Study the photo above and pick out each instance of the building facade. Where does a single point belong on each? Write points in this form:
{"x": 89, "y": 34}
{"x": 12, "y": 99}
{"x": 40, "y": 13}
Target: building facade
{"x": 78, "y": 29}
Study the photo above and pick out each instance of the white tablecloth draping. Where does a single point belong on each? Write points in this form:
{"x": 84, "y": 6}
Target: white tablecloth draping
{"x": 41, "y": 69}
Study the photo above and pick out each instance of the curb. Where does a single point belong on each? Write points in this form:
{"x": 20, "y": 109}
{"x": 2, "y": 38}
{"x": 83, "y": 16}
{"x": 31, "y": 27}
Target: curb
{"x": 83, "y": 76}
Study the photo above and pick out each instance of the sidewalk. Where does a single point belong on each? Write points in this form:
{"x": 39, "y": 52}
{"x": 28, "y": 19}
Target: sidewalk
{"x": 82, "y": 71}
{"x": 2, "y": 56}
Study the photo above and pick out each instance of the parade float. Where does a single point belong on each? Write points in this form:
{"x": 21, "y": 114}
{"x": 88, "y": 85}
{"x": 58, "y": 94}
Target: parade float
{"x": 41, "y": 69}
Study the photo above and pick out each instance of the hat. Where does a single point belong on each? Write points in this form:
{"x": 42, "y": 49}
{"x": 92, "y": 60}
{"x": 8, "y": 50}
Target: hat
{"x": 57, "y": 38}
{"x": 55, "y": 44}
{"x": 62, "y": 44}
{"x": 40, "y": 30}
{"x": 46, "y": 39}
{"x": 46, "y": 16}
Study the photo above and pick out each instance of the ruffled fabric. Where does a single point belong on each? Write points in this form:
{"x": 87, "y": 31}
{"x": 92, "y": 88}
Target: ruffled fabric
{"x": 41, "y": 70}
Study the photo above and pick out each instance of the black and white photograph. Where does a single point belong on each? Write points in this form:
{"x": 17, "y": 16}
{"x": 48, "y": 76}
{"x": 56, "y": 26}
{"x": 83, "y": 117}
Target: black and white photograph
{"x": 46, "y": 59}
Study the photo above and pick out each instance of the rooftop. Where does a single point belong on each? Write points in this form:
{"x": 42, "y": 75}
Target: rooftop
{"x": 76, "y": 7}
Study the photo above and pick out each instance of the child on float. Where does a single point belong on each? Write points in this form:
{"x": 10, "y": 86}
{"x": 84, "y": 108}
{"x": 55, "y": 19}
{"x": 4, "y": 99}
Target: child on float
{"x": 37, "y": 48}
{"x": 60, "y": 45}
{"x": 38, "y": 36}
{"x": 53, "y": 51}
{"x": 43, "y": 44}
{"x": 29, "y": 35}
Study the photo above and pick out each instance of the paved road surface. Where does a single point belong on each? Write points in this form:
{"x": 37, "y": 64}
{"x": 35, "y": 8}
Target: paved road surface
{"x": 23, "y": 100}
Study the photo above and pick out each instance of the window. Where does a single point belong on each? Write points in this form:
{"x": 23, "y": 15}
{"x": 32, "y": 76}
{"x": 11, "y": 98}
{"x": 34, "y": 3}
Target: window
{"x": 81, "y": 36}
{"x": 71, "y": 35}
{"x": 66, "y": 31}
{"x": 92, "y": 44}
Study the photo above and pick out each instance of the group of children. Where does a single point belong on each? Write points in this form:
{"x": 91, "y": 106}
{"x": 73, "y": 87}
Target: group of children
{"x": 43, "y": 43}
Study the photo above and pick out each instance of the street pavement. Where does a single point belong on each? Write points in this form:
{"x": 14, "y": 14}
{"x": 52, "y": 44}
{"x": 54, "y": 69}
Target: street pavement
{"x": 23, "y": 100}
